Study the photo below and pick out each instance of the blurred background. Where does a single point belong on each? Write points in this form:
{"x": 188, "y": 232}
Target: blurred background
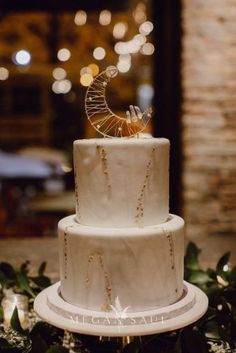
{"x": 177, "y": 56}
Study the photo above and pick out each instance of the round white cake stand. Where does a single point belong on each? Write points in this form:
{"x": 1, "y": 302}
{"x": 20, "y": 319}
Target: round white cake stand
{"x": 52, "y": 308}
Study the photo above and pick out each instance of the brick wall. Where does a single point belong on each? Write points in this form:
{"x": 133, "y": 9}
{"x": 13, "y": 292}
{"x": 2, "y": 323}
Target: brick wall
{"x": 209, "y": 116}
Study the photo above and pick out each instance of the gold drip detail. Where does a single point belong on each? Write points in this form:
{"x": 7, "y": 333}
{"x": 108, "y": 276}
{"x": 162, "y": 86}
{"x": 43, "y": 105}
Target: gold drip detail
{"x": 108, "y": 288}
{"x": 104, "y": 159}
{"x": 170, "y": 240}
{"x": 65, "y": 249}
{"x": 76, "y": 192}
{"x": 140, "y": 206}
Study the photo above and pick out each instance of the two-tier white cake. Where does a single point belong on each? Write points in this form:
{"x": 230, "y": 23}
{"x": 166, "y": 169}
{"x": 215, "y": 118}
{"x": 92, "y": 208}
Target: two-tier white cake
{"x": 122, "y": 244}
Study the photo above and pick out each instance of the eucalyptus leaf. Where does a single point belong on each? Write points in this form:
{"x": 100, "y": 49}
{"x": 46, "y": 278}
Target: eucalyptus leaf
{"x": 224, "y": 260}
{"x": 232, "y": 275}
{"x": 191, "y": 257}
{"x": 25, "y": 267}
{"x": 15, "y": 322}
{"x": 211, "y": 329}
{"x": 8, "y": 270}
{"x": 199, "y": 277}
{"x": 42, "y": 268}
{"x": 41, "y": 281}
{"x": 23, "y": 283}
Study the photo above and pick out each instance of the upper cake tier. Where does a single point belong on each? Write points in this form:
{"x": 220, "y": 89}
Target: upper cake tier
{"x": 121, "y": 182}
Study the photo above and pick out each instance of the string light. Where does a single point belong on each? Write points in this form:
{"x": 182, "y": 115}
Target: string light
{"x": 123, "y": 66}
{"x": 63, "y": 54}
{"x": 63, "y": 86}
{"x": 94, "y": 68}
{"x": 146, "y": 28}
{"x": 139, "y": 14}
{"x": 147, "y": 49}
{"x": 4, "y": 74}
{"x": 105, "y": 18}
{"x": 80, "y": 18}
{"x": 59, "y": 73}
{"x": 22, "y": 57}
{"x": 99, "y": 53}
{"x": 86, "y": 80}
{"x": 125, "y": 57}
{"x": 85, "y": 70}
{"x": 119, "y": 30}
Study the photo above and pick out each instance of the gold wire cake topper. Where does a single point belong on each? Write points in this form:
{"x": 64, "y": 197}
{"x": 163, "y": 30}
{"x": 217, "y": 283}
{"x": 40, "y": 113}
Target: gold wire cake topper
{"x": 102, "y": 117}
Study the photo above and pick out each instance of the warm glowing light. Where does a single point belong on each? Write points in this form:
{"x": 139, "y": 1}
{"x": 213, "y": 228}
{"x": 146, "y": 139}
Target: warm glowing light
{"x": 140, "y": 38}
{"x": 85, "y": 70}
{"x": 123, "y": 66}
{"x": 63, "y": 86}
{"x": 99, "y": 53}
{"x": 22, "y": 57}
{"x": 63, "y": 54}
{"x": 125, "y": 57}
{"x": 80, "y": 18}
{"x": 105, "y": 18}
{"x": 59, "y": 73}
{"x": 86, "y": 80}
{"x": 148, "y": 49}
{"x": 4, "y": 74}
{"x": 119, "y": 30}
{"x": 94, "y": 68}
{"x": 146, "y": 27}
{"x": 139, "y": 13}
{"x": 130, "y": 47}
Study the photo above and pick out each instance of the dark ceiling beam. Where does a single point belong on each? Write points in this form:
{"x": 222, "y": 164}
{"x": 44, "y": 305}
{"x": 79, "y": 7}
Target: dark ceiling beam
{"x": 62, "y": 5}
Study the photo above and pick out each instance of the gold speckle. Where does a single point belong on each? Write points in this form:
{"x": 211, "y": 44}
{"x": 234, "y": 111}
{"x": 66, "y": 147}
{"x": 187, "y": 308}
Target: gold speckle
{"x": 108, "y": 286}
{"x": 140, "y": 207}
{"x": 103, "y": 156}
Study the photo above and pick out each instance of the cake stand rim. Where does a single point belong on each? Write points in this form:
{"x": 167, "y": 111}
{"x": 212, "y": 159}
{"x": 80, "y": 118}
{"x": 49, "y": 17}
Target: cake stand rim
{"x": 192, "y": 315}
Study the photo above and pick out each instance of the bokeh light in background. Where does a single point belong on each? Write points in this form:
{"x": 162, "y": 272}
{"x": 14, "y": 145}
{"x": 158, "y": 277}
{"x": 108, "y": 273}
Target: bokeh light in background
{"x": 94, "y": 69}
{"x": 147, "y": 49}
{"x": 4, "y": 74}
{"x": 120, "y": 30}
{"x": 59, "y": 73}
{"x": 80, "y": 18}
{"x": 86, "y": 79}
{"x": 22, "y": 57}
{"x": 139, "y": 14}
{"x": 99, "y": 53}
{"x": 146, "y": 28}
{"x": 105, "y": 18}
{"x": 62, "y": 86}
{"x": 63, "y": 54}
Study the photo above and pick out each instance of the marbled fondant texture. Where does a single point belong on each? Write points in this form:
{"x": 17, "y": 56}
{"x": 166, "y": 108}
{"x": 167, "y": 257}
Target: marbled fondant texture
{"x": 122, "y": 182}
{"x": 143, "y": 267}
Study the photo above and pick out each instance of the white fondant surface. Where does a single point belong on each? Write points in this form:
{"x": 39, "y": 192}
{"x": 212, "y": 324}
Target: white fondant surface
{"x": 122, "y": 182}
{"x": 142, "y": 267}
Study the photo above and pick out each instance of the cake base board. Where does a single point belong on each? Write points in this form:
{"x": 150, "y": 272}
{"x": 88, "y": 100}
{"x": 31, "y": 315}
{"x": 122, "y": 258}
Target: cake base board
{"x": 52, "y": 308}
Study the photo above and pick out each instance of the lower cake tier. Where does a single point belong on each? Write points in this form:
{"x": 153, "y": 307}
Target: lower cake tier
{"x": 121, "y": 269}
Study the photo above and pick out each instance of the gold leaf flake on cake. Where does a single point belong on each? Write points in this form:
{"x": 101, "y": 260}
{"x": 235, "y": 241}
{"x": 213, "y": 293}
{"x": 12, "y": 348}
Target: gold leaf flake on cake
{"x": 140, "y": 205}
{"x": 105, "y": 167}
{"x": 106, "y": 306}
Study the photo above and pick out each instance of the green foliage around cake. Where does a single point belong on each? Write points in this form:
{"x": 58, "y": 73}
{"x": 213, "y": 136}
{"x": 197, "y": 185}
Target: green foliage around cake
{"x": 215, "y": 332}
